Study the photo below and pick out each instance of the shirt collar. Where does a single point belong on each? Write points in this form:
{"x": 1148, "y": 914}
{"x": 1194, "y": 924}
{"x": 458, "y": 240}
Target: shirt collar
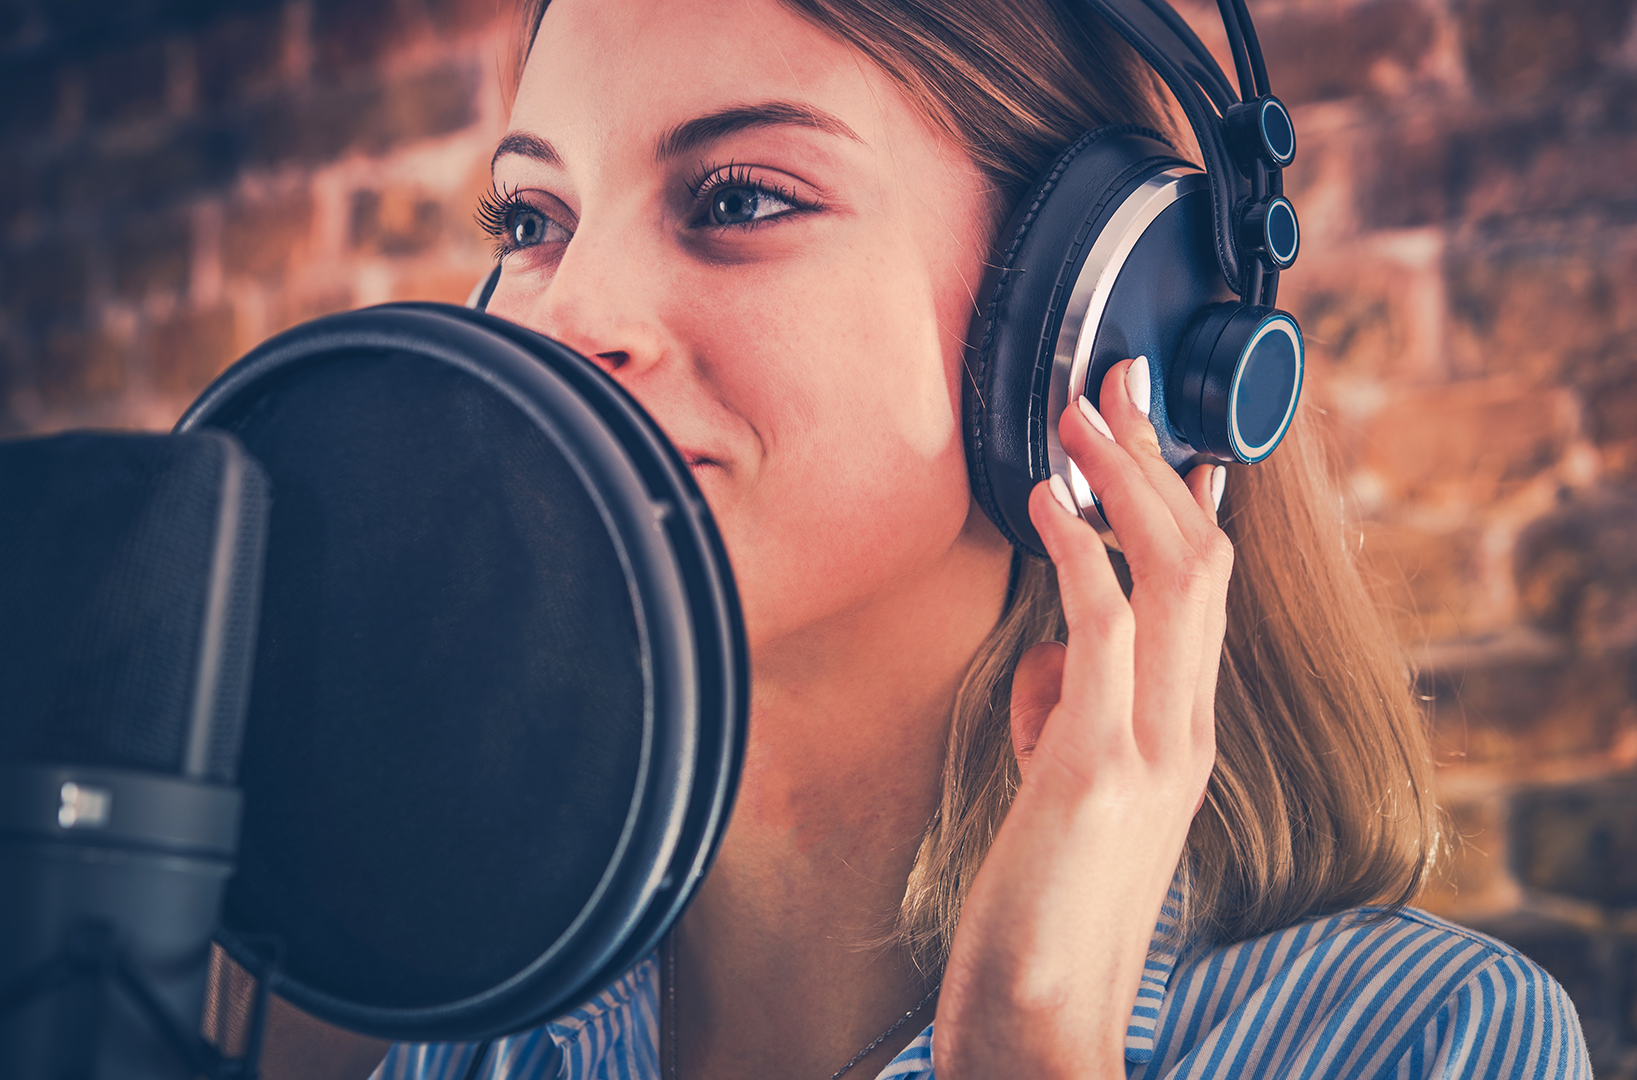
{"x": 637, "y": 991}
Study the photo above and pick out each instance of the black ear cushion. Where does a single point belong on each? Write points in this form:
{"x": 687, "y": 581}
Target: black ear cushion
{"x": 1009, "y": 356}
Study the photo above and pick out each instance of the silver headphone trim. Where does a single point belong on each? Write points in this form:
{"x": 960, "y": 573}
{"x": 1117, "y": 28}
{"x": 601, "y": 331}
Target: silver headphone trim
{"x": 1083, "y": 314}
{"x": 1279, "y": 159}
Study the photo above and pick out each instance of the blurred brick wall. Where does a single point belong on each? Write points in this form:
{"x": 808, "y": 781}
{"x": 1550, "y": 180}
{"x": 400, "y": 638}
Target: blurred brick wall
{"x": 1467, "y": 180}
{"x": 181, "y": 178}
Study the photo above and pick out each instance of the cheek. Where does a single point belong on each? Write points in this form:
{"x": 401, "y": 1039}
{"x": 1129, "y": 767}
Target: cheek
{"x": 854, "y": 361}
{"x": 852, "y": 387}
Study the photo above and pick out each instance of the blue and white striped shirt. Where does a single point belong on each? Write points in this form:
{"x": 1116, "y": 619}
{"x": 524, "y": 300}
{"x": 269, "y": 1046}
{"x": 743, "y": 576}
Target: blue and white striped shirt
{"x": 1362, "y": 994}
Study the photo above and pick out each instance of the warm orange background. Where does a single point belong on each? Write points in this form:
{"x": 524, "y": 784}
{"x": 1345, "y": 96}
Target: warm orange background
{"x": 176, "y": 185}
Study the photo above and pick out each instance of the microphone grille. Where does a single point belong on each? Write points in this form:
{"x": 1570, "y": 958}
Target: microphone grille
{"x": 130, "y": 568}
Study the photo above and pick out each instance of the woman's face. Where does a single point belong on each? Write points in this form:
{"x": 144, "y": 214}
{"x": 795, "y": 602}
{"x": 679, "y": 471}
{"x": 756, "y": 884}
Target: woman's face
{"x": 752, "y": 230}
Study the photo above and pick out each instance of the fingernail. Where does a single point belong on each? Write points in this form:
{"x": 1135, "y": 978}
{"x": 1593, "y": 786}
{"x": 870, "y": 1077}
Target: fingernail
{"x": 1137, "y": 384}
{"x": 1219, "y": 484}
{"x": 1060, "y": 492}
{"x": 1090, "y": 413}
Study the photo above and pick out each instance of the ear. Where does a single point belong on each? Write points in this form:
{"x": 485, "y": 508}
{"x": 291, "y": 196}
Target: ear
{"x": 1037, "y": 684}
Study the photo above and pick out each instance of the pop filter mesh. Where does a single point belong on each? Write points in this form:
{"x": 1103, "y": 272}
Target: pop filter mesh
{"x": 444, "y": 613}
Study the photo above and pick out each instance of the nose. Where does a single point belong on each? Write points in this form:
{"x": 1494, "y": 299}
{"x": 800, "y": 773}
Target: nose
{"x": 602, "y": 300}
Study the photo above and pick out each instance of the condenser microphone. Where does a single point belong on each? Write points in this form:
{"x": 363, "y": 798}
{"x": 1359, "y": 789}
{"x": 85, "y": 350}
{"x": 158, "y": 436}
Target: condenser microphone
{"x": 129, "y": 576}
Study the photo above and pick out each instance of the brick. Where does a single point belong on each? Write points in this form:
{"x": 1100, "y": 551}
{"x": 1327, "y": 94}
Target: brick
{"x": 422, "y": 106}
{"x": 288, "y": 308}
{"x": 436, "y": 279}
{"x": 1465, "y": 443}
{"x": 318, "y": 125}
{"x": 76, "y": 365}
{"x": 1577, "y": 572}
{"x": 351, "y": 35}
{"x": 450, "y": 17}
{"x": 1476, "y": 867}
{"x": 1409, "y": 175}
{"x": 1560, "y": 155}
{"x": 240, "y": 57}
{"x": 1570, "y": 155}
{"x": 1362, "y": 319}
{"x": 1323, "y": 53}
{"x": 151, "y": 253}
{"x": 190, "y": 348}
{"x": 87, "y": 26}
{"x": 181, "y": 160}
{"x": 1580, "y": 841}
{"x": 126, "y": 84}
{"x": 394, "y": 221}
{"x": 1529, "y": 709}
{"x": 261, "y": 239}
{"x": 1611, "y": 419}
{"x": 1517, "y": 49}
{"x": 1547, "y": 308}
{"x": 1429, "y": 579}
{"x": 44, "y": 282}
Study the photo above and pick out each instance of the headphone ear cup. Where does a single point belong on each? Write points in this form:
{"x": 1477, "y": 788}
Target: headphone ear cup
{"x": 1013, "y": 339}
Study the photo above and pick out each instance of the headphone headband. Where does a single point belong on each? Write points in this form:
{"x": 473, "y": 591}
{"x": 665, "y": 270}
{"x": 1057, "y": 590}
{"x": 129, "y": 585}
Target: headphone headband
{"x": 1246, "y": 181}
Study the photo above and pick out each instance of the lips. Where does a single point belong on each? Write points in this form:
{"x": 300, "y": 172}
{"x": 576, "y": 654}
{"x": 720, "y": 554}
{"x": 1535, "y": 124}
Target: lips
{"x": 697, "y": 459}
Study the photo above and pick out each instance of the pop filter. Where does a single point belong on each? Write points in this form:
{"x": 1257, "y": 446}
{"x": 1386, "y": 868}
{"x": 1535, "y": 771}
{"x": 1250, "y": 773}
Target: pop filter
{"x": 501, "y": 681}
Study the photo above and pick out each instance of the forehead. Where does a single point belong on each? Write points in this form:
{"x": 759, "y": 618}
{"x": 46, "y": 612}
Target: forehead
{"x": 651, "y": 64}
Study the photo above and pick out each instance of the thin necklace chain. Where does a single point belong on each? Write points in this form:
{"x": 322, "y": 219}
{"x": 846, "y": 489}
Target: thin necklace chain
{"x": 670, "y": 996}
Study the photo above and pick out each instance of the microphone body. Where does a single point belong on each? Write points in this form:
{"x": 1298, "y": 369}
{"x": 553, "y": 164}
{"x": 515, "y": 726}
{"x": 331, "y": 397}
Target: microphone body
{"x": 129, "y": 576}
{"x": 134, "y": 880}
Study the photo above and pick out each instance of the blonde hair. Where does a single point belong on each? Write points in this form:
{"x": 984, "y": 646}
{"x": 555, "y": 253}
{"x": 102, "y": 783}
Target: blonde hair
{"x": 1321, "y": 795}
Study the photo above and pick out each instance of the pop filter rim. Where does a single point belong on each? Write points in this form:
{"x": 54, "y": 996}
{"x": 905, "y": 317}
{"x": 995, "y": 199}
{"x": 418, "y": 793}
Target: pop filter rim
{"x": 696, "y": 645}
{"x": 721, "y": 748}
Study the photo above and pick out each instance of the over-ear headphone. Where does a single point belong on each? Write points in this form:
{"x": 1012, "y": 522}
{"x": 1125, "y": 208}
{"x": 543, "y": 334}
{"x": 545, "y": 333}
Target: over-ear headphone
{"x": 1123, "y": 249}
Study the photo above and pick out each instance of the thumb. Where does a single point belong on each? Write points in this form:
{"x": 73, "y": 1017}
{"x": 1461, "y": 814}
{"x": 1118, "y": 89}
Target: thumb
{"x": 1036, "y": 685}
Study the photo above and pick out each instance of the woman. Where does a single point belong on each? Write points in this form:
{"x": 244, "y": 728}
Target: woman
{"x": 768, "y": 220}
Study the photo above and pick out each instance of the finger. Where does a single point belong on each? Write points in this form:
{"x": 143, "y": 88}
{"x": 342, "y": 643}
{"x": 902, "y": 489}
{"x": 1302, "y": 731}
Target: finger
{"x": 1206, "y": 484}
{"x": 1124, "y": 400}
{"x": 1142, "y": 521}
{"x": 1180, "y": 579}
{"x": 1037, "y": 685}
{"x": 1096, "y": 684}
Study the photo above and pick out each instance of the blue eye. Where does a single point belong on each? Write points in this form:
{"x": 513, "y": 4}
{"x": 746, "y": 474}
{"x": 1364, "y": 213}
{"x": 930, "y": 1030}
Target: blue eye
{"x": 528, "y": 226}
{"x": 742, "y": 204}
{"x": 735, "y": 206}
{"x": 515, "y": 224}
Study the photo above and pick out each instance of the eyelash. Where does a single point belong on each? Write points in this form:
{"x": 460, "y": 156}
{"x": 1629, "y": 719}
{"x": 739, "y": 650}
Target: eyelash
{"x": 707, "y": 181}
{"x": 496, "y": 206}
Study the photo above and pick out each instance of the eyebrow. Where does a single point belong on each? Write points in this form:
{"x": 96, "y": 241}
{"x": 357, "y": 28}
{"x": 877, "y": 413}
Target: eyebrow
{"x": 692, "y": 134}
{"x": 529, "y": 146}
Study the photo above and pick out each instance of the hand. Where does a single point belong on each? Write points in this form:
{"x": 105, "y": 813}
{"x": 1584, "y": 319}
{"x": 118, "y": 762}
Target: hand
{"x": 1115, "y": 734}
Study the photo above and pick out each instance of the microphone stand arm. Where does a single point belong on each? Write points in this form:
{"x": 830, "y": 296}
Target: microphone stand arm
{"x": 91, "y": 952}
